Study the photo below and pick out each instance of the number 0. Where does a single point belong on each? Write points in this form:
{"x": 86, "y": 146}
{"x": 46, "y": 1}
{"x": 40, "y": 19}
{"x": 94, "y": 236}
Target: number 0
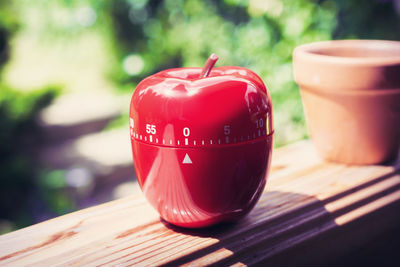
{"x": 259, "y": 123}
{"x": 186, "y": 131}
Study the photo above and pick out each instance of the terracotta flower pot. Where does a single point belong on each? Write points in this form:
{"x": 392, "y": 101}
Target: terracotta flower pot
{"x": 351, "y": 96}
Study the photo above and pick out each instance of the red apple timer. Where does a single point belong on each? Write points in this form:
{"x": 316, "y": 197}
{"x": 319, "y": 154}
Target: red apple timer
{"x": 202, "y": 142}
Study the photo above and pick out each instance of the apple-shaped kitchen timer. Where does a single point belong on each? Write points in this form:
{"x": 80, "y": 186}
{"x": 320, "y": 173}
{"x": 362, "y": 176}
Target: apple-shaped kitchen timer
{"x": 201, "y": 142}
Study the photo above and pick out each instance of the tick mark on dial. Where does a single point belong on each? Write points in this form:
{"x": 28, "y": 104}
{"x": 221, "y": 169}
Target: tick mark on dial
{"x": 202, "y": 142}
{"x": 219, "y": 141}
{"x": 140, "y": 137}
{"x": 145, "y": 138}
{"x": 178, "y": 143}
{"x": 211, "y": 142}
{"x": 194, "y": 142}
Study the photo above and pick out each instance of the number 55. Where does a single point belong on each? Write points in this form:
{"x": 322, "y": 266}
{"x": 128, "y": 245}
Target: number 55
{"x": 150, "y": 129}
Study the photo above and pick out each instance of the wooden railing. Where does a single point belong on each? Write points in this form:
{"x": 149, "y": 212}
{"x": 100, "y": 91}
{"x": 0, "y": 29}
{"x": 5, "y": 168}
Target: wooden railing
{"x": 311, "y": 211}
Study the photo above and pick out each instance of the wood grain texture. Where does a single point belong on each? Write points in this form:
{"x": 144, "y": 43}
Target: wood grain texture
{"x": 306, "y": 199}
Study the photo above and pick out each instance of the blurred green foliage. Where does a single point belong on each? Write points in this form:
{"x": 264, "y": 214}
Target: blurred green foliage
{"x": 8, "y": 25}
{"x": 19, "y": 133}
{"x": 20, "y": 188}
{"x": 261, "y": 35}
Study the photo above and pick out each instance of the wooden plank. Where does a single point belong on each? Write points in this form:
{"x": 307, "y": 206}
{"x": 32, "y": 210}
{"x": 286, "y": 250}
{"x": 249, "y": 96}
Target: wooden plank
{"x": 304, "y": 199}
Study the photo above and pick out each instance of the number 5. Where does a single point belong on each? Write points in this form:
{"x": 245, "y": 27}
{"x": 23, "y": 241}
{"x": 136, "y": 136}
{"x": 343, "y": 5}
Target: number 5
{"x": 227, "y": 129}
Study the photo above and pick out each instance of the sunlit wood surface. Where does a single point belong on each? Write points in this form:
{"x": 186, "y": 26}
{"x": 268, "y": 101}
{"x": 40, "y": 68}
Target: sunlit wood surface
{"x": 310, "y": 212}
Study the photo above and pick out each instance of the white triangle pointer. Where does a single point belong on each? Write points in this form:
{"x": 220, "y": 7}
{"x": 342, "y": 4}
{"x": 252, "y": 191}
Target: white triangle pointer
{"x": 187, "y": 160}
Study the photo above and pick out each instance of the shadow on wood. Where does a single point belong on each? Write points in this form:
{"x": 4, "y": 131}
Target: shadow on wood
{"x": 300, "y": 236}
{"x": 274, "y": 225}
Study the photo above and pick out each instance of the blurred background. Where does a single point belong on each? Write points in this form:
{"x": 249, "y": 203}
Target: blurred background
{"x": 68, "y": 69}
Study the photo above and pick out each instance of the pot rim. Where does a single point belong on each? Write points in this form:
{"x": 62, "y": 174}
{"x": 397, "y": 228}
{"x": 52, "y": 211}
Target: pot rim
{"x": 317, "y": 51}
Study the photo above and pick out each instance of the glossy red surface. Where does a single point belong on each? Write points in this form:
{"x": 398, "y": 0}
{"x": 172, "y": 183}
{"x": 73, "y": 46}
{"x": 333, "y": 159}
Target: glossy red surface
{"x": 201, "y": 146}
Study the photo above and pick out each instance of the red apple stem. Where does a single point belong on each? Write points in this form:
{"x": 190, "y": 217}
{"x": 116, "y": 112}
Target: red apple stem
{"x": 209, "y": 65}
